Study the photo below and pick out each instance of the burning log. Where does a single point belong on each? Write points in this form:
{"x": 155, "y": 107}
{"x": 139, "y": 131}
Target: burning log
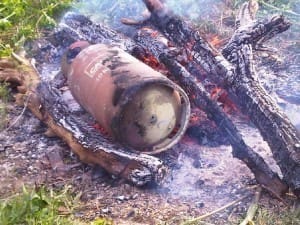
{"x": 135, "y": 104}
{"x": 240, "y": 81}
{"x": 45, "y": 103}
{"x": 202, "y": 99}
{"x": 76, "y": 27}
{"x": 92, "y": 147}
{"x": 273, "y": 124}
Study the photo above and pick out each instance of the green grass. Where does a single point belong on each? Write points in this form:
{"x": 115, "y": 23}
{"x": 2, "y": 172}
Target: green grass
{"x": 21, "y": 20}
{"x": 43, "y": 207}
{"x": 4, "y": 93}
{"x": 266, "y": 217}
{"x": 281, "y": 6}
{"x": 37, "y": 207}
{"x": 102, "y": 221}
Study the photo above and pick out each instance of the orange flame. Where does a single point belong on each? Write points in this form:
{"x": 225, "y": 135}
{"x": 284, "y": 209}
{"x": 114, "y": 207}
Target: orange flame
{"x": 99, "y": 128}
{"x": 215, "y": 40}
{"x": 151, "y": 61}
{"x": 197, "y": 116}
{"x": 220, "y": 95}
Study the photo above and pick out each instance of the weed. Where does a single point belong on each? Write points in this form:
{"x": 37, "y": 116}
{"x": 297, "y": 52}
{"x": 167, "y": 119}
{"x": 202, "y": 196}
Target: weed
{"x": 43, "y": 207}
{"x": 21, "y": 20}
{"x": 289, "y": 217}
{"x": 264, "y": 217}
{"x": 3, "y": 104}
{"x": 37, "y": 207}
{"x": 3, "y": 92}
{"x": 3, "y": 116}
{"x": 102, "y": 221}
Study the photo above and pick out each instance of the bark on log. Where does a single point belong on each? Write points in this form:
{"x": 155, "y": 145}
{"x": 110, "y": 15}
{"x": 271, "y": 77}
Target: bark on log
{"x": 264, "y": 175}
{"x": 76, "y": 24}
{"x": 81, "y": 28}
{"x": 201, "y": 98}
{"x": 275, "y": 128}
{"x": 84, "y": 140}
{"x": 76, "y": 27}
{"x": 261, "y": 170}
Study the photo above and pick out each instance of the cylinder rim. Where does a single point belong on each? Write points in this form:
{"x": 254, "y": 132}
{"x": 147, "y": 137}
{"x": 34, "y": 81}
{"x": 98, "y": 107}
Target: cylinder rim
{"x": 183, "y": 122}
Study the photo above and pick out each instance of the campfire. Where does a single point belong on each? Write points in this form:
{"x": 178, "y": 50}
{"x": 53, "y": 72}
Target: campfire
{"x": 172, "y": 47}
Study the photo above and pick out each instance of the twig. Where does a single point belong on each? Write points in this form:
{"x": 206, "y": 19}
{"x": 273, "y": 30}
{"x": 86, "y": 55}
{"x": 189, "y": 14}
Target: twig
{"x": 20, "y": 116}
{"x": 20, "y": 59}
{"x": 198, "y": 219}
{"x": 252, "y": 208}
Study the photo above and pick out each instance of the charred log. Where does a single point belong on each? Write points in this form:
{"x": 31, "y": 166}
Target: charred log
{"x": 76, "y": 27}
{"x": 201, "y": 98}
{"x": 276, "y": 129}
{"x": 141, "y": 169}
{"x": 84, "y": 140}
{"x": 255, "y": 34}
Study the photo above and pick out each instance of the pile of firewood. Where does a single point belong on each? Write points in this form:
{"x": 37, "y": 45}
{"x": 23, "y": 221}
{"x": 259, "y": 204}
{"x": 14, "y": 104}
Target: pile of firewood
{"x": 231, "y": 68}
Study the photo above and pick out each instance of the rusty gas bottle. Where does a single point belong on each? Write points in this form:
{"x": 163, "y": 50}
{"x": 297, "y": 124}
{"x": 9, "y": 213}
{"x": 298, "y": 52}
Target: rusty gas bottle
{"x": 136, "y": 105}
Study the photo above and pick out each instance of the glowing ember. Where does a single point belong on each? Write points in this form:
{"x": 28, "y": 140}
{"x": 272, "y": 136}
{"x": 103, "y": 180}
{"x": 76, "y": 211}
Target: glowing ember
{"x": 101, "y": 129}
{"x": 216, "y": 41}
{"x": 220, "y": 95}
{"x": 151, "y": 61}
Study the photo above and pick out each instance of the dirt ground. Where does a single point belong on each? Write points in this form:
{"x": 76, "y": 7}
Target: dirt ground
{"x": 201, "y": 180}
{"x": 203, "y": 176}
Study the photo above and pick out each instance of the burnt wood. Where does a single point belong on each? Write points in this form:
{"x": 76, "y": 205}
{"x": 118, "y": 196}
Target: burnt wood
{"x": 201, "y": 98}
{"x": 233, "y": 69}
{"x": 274, "y": 125}
{"x": 45, "y": 102}
{"x": 236, "y": 74}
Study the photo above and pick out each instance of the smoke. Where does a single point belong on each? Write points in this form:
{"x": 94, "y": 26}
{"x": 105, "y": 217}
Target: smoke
{"x": 215, "y": 12}
{"x": 194, "y": 9}
{"x": 112, "y": 11}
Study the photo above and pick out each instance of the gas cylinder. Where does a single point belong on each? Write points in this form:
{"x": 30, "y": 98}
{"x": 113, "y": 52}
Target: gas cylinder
{"x": 138, "y": 106}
